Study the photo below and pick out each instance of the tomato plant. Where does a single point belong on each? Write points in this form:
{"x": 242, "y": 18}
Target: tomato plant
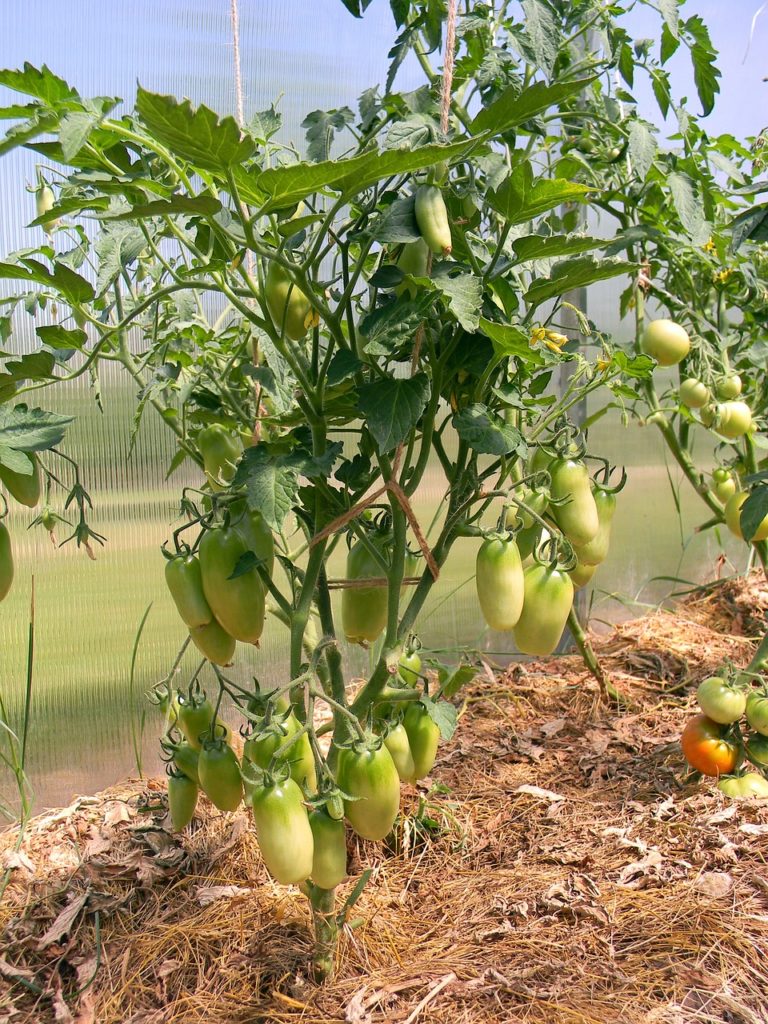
{"x": 315, "y": 333}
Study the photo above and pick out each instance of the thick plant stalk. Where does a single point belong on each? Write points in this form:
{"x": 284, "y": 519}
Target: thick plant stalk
{"x": 326, "y": 931}
{"x": 608, "y": 691}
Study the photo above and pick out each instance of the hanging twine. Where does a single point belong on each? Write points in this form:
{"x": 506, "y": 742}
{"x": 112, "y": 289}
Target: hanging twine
{"x": 392, "y": 486}
{"x": 235, "y": 17}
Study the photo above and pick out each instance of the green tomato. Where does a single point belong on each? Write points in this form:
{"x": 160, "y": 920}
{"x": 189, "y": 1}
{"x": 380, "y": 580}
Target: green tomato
{"x": 185, "y": 759}
{"x": 733, "y": 517}
{"x": 409, "y": 668}
{"x": 499, "y": 581}
{"x": 742, "y": 787}
{"x": 219, "y": 773}
{"x": 540, "y": 461}
{"x": 364, "y": 609}
{"x": 581, "y": 574}
{"x": 547, "y": 603}
{"x": 577, "y": 517}
{"x": 397, "y": 743}
{"x": 432, "y": 219}
{"x": 757, "y": 749}
{"x": 194, "y": 719}
{"x": 329, "y": 860}
{"x": 256, "y": 535}
{"x": 45, "y": 200}
{"x": 536, "y": 498}
{"x": 24, "y": 487}
{"x": 757, "y": 711}
{"x": 182, "y": 800}
{"x": 185, "y": 582}
{"x": 423, "y": 738}
{"x": 694, "y": 393}
{"x": 221, "y": 449}
{"x": 735, "y": 420}
{"x": 413, "y": 261}
{"x": 595, "y": 551}
{"x": 720, "y": 700}
{"x": 723, "y": 484}
{"x": 729, "y": 387}
{"x": 238, "y": 604}
{"x": 289, "y": 307}
{"x": 214, "y": 642}
{"x": 261, "y": 745}
{"x": 367, "y": 771}
{"x": 6, "y": 561}
{"x": 283, "y": 831}
{"x": 666, "y": 342}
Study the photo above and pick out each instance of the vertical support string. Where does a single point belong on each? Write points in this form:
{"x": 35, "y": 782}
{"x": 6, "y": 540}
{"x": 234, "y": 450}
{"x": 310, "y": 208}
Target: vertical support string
{"x": 448, "y": 55}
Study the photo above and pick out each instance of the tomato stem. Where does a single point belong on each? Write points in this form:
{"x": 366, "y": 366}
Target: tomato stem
{"x": 326, "y": 930}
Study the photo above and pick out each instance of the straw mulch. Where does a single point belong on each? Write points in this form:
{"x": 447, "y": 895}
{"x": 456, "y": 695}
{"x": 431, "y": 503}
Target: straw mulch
{"x": 564, "y": 872}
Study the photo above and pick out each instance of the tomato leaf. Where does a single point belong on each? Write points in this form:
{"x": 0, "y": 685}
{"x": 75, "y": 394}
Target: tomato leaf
{"x": 443, "y": 714}
{"x": 202, "y": 205}
{"x": 703, "y": 56}
{"x": 398, "y": 223}
{"x": 196, "y": 135}
{"x": 642, "y": 147}
{"x": 31, "y": 430}
{"x": 574, "y": 273}
{"x": 392, "y": 407}
{"x": 452, "y": 680}
{"x": 508, "y": 340}
{"x": 486, "y": 432}
{"x": 542, "y": 247}
{"x": 343, "y": 364}
{"x": 689, "y": 208}
{"x": 463, "y": 291}
{"x": 542, "y": 33}
{"x": 514, "y": 107}
{"x": 58, "y": 337}
{"x": 753, "y": 511}
{"x": 42, "y": 84}
{"x": 271, "y": 489}
{"x": 520, "y": 199}
{"x": 393, "y": 326}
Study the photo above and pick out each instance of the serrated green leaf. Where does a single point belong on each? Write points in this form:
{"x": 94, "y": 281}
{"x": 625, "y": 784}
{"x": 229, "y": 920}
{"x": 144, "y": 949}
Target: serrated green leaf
{"x": 41, "y": 83}
{"x": 574, "y": 273}
{"x": 390, "y": 328}
{"x": 752, "y": 224}
{"x": 443, "y": 714}
{"x": 343, "y": 364}
{"x": 196, "y": 135}
{"x": 31, "y": 430}
{"x": 520, "y": 198}
{"x": 508, "y": 340}
{"x": 115, "y": 247}
{"x": 73, "y": 205}
{"x": 392, "y": 408}
{"x": 642, "y": 148}
{"x": 74, "y": 129}
{"x": 203, "y": 206}
{"x": 487, "y": 433}
{"x": 540, "y": 247}
{"x": 514, "y": 107}
{"x": 689, "y": 207}
{"x": 285, "y": 186}
{"x": 452, "y": 680}
{"x": 398, "y": 223}
{"x": 270, "y": 488}
{"x": 58, "y": 337}
{"x": 463, "y": 291}
{"x": 703, "y": 57}
{"x": 542, "y": 33}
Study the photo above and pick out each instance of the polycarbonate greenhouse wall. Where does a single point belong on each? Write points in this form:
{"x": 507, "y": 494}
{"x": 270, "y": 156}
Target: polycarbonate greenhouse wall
{"x": 301, "y": 56}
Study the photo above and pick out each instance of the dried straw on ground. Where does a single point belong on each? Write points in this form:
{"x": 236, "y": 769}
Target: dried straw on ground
{"x": 571, "y": 876}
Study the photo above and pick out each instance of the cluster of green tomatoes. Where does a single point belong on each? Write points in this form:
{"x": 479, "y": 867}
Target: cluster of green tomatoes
{"x": 550, "y": 539}
{"x": 715, "y": 742}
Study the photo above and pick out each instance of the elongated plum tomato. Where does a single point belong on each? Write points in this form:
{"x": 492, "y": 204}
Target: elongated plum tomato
{"x": 694, "y": 393}
{"x": 729, "y": 387}
{"x": 757, "y": 711}
{"x": 182, "y": 800}
{"x": 214, "y": 642}
{"x": 581, "y": 574}
{"x": 44, "y": 202}
{"x": 6, "y": 561}
{"x": 499, "y": 580}
{"x": 329, "y": 859}
{"x": 367, "y": 771}
{"x": 666, "y": 342}
{"x": 547, "y": 603}
{"x": 577, "y": 517}
{"x": 397, "y": 743}
{"x": 706, "y": 748}
{"x": 536, "y": 498}
{"x": 423, "y": 739}
{"x": 186, "y": 758}
{"x": 262, "y": 745}
{"x": 364, "y": 609}
{"x": 742, "y": 787}
{"x": 432, "y": 219}
{"x": 238, "y": 604}
{"x": 720, "y": 700}
{"x": 595, "y": 551}
{"x": 185, "y": 582}
{"x": 413, "y": 261}
{"x": 288, "y": 306}
{"x": 194, "y": 719}
{"x": 219, "y": 773}
{"x": 735, "y": 420}
{"x": 733, "y": 517}
{"x": 24, "y": 487}
{"x": 221, "y": 449}
{"x": 257, "y": 536}
{"x": 283, "y": 830}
